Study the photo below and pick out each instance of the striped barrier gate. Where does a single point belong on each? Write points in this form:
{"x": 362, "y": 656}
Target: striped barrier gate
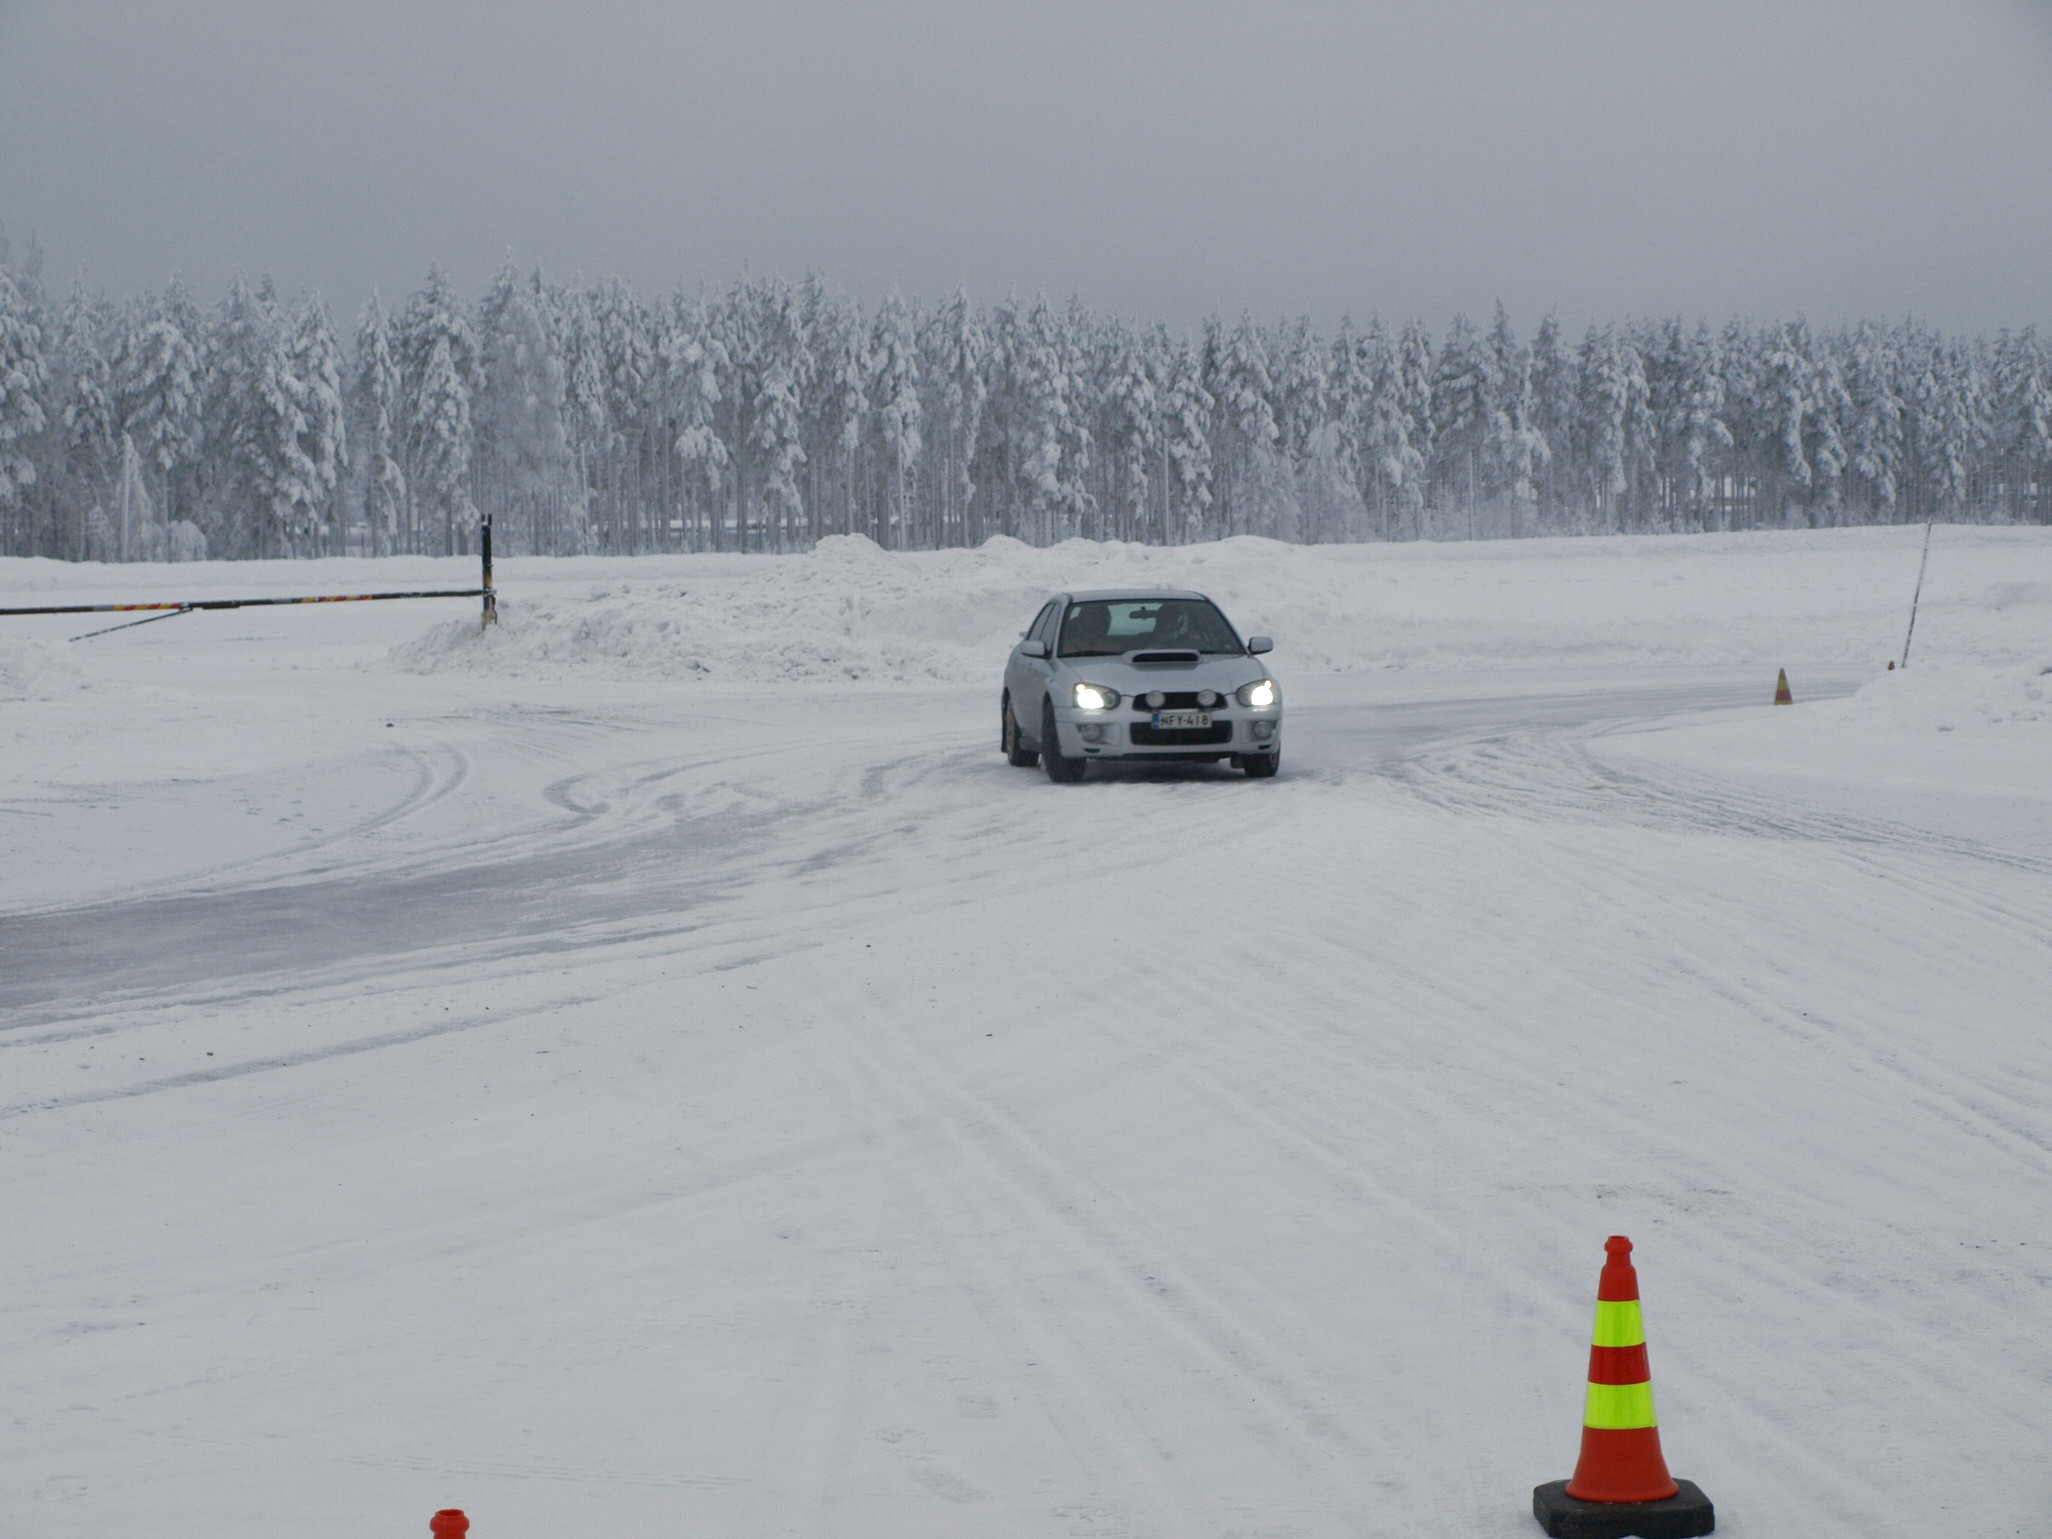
{"x": 171, "y": 609}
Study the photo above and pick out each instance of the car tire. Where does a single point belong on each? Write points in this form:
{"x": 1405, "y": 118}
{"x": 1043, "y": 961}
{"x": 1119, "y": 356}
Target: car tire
{"x": 1259, "y": 766}
{"x": 1017, "y": 754}
{"x": 1062, "y": 771}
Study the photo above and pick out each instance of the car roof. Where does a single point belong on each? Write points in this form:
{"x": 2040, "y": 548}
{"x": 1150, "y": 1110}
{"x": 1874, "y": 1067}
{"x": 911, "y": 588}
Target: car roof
{"x": 1128, "y": 595}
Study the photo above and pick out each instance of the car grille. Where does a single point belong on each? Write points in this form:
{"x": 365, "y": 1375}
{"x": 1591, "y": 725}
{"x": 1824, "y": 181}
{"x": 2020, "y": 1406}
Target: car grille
{"x": 1145, "y": 735}
{"x": 1179, "y": 700}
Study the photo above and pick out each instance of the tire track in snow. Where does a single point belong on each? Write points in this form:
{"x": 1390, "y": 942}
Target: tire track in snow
{"x": 1104, "y": 1436}
{"x": 1181, "y": 1314}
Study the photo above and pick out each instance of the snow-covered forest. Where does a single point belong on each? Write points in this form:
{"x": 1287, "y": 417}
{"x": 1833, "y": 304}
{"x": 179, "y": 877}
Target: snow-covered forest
{"x": 585, "y": 418}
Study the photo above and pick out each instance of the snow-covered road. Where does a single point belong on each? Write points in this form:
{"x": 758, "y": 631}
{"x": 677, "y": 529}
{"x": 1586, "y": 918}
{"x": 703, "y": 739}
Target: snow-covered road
{"x": 759, "y": 1111}
{"x": 502, "y": 834}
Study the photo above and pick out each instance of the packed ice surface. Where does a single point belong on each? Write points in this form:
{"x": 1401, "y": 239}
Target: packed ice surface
{"x": 653, "y": 1067}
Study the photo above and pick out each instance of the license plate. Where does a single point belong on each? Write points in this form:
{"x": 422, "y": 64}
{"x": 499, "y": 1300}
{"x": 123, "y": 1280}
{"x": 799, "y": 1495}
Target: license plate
{"x": 1174, "y": 719}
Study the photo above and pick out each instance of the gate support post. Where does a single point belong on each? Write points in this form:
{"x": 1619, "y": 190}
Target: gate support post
{"x": 491, "y": 599}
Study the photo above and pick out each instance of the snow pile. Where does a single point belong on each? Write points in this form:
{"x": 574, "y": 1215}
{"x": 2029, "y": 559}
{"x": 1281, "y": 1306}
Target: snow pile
{"x": 1945, "y": 697}
{"x": 30, "y": 670}
{"x": 848, "y": 611}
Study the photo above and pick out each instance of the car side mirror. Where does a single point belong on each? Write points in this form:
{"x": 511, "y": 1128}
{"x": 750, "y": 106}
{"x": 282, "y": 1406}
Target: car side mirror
{"x": 1033, "y": 649}
{"x": 1256, "y": 645}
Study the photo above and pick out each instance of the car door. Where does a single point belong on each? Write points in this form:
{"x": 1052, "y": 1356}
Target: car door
{"x": 1021, "y": 684}
{"x": 1039, "y": 670}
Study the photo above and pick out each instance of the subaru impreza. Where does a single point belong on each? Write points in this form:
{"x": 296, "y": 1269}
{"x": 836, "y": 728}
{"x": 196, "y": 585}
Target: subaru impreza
{"x": 1120, "y": 675}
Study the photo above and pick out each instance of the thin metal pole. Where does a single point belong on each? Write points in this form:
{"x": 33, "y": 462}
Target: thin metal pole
{"x": 491, "y": 599}
{"x": 169, "y": 614}
{"x": 1920, "y": 590}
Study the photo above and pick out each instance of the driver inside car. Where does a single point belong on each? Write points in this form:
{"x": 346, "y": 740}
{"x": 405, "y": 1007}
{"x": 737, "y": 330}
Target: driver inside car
{"x": 1086, "y": 633}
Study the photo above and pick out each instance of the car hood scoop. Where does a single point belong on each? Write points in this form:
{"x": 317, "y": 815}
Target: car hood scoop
{"x": 1143, "y": 659}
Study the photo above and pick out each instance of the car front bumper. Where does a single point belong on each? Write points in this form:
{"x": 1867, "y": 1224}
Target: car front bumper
{"x": 1109, "y": 735}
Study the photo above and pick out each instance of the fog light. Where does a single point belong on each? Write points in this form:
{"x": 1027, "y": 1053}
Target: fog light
{"x": 1091, "y": 732}
{"x": 1263, "y": 731}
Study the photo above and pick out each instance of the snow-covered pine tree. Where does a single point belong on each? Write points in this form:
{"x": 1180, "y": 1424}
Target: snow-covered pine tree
{"x": 522, "y": 459}
{"x": 1075, "y": 505}
{"x": 377, "y": 402}
{"x": 1187, "y": 410}
{"x": 897, "y": 415}
{"x": 836, "y": 406}
{"x": 1368, "y": 398}
{"x": 1297, "y": 366}
{"x": 1831, "y": 410}
{"x": 627, "y": 349}
{"x": 1255, "y": 495}
{"x": 776, "y": 438}
{"x": 1556, "y": 402}
{"x": 694, "y": 361}
{"x": 1314, "y": 450}
{"x": 1616, "y": 428}
{"x": 1743, "y": 355}
{"x": 1464, "y": 405}
{"x": 1027, "y": 431}
{"x": 1874, "y": 438}
{"x": 953, "y": 348}
{"x": 1350, "y": 380}
{"x": 1785, "y": 398}
{"x": 1514, "y": 449}
{"x": 155, "y": 373}
{"x": 133, "y": 520}
{"x": 1413, "y": 367}
{"x": 1128, "y": 423}
{"x": 1949, "y": 427}
{"x": 587, "y": 407}
{"x": 261, "y": 485}
{"x": 2024, "y": 417}
{"x": 85, "y": 396}
{"x": 437, "y": 361}
{"x": 1701, "y": 438}
{"x": 313, "y": 504}
{"x": 760, "y": 327}
{"x": 23, "y": 379}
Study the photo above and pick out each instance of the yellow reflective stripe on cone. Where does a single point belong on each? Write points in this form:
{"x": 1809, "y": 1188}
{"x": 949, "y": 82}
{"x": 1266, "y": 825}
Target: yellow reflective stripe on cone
{"x": 1615, "y": 1407}
{"x": 1617, "y": 1325}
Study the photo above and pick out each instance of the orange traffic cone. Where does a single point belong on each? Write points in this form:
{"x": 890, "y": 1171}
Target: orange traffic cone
{"x": 449, "y": 1523}
{"x": 1781, "y": 694}
{"x": 1621, "y": 1484}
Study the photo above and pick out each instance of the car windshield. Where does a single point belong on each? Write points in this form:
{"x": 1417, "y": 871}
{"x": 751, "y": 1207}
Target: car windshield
{"x": 1099, "y": 628}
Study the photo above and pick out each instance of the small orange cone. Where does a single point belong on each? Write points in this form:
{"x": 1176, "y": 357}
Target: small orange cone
{"x": 1621, "y": 1484}
{"x": 449, "y": 1523}
{"x": 1781, "y": 694}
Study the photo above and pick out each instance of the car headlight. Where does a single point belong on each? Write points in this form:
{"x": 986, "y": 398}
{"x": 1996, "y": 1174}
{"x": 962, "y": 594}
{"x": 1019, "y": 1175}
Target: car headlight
{"x": 1259, "y": 695}
{"x": 1095, "y": 697}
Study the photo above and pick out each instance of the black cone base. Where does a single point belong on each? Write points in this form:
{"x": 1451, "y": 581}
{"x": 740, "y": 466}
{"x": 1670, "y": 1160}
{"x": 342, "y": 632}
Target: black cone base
{"x": 1683, "y": 1515}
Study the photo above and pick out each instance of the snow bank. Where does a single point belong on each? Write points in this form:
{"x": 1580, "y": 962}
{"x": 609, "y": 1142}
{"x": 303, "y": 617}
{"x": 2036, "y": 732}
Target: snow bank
{"x": 1946, "y": 696}
{"x": 1941, "y": 734}
{"x": 30, "y": 670}
{"x": 848, "y": 611}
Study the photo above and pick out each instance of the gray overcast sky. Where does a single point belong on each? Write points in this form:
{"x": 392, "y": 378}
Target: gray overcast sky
{"x": 1157, "y": 159}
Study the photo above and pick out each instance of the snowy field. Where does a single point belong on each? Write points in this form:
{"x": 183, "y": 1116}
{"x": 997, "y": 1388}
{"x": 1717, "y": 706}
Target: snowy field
{"x": 1167, "y": 1155}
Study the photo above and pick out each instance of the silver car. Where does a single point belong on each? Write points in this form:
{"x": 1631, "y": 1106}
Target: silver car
{"x": 1132, "y": 675}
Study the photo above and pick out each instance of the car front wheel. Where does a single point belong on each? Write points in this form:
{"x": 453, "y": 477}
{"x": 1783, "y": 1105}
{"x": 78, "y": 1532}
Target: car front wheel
{"x": 1059, "y": 769}
{"x": 1259, "y": 766}
{"x": 1017, "y": 754}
